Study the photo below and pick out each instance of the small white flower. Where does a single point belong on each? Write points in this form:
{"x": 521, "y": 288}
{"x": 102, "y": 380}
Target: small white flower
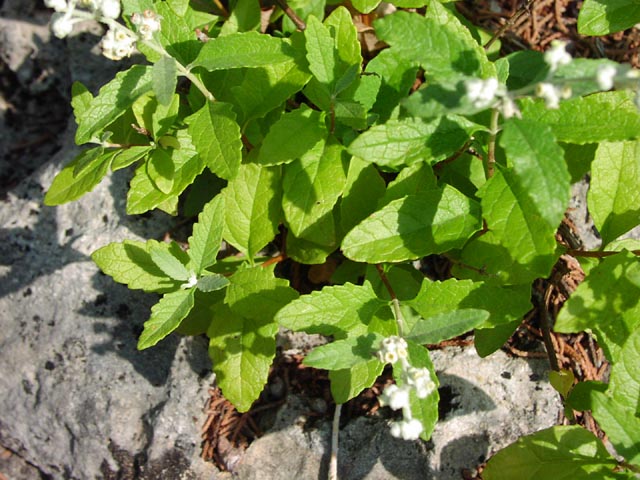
{"x": 392, "y": 349}
{"x": 557, "y": 55}
{"x": 509, "y": 109}
{"x": 549, "y": 93}
{"x": 406, "y": 429}
{"x": 605, "y": 76}
{"x": 395, "y": 397}
{"x": 482, "y": 93}
{"x": 57, "y": 5}
{"x": 117, "y": 44}
{"x": 148, "y": 23}
{"x": 88, "y": 4}
{"x": 61, "y": 24}
{"x": 110, "y": 8}
{"x": 192, "y": 282}
{"x": 420, "y": 379}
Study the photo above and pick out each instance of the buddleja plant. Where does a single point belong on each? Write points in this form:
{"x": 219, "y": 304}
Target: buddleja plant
{"x": 294, "y": 130}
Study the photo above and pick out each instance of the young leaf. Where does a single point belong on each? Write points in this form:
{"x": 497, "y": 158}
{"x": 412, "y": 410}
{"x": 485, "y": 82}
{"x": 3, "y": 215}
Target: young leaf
{"x": 538, "y": 166}
{"x": 169, "y": 264}
{"x": 311, "y": 187}
{"x": 410, "y": 140}
{"x": 348, "y": 49}
{"x": 348, "y": 383}
{"x": 364, "y": 188}
{"x": 365, "y": 6}
{"x": 304, "y": 124}
{"x": 143, "y": 194}
{"x": 205, "y": 241}
{"x": 217, "y": 138}
{"x": 557, "y": 452}
{"x": 161, "y": 170}
{"x": 112, "y": 101}
{"x": 320, "y": 51}
{"x": 250, "y": 49}
{"x": 79, "y": 176}
{"x": 166, "y": 316}
{"x": 605, "y": 116}
{"x": 602, "y": 17}
{"x": 130, "y": 263}
{"x": 414, "y": 226}
{"x": 165, "y": 79}
{"x": 252, "y": 208}
{"x": 445, "y": 326}
{"x": 338, "y": 310}
{"x": 81, "y": 99}
{"x": 129, "y": 156}
{"x": 610, "y": 316}
{"x": 256, "y": 293}
{"x": 614, "y": 197}
{"x": 621, "y": 424}
{"x": 343, "y": 354}
{"x": 242, "y": 350}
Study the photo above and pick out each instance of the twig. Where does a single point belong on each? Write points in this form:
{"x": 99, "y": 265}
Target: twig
{"x": 521, "y": 11}
{"x": 292, "y": 15}
{"x": 335, "y": 431}
{"x": 597, "y": 254}
{"x": 491, "y": 153}
{"x": 546, "y": 331}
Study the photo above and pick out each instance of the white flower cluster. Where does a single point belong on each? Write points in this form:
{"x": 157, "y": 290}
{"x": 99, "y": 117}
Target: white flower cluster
{"x": 66, "y": 14}
{"x": 485, "y": 93}
{"x": 552, "y": 94}
{"x": 147, "y": 23}
{"x": 392, "y": 350}
{"x": 118, "y": 43}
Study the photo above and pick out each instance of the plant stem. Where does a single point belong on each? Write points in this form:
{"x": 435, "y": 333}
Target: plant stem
{"x": 292, "y": 15}
{"x": 335, "y": 431}
{"x": 512, "y": 20}
{"x": 546, "y": 331}
{"x": 395, "y": 304}
{"x": 491, "y": 153}
{"x": 600, "y": 254}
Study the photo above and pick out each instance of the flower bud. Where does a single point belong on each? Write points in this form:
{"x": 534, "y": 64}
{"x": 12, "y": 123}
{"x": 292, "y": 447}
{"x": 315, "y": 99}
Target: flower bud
{"x": 110, "y": 8}
{"x": 395, "y": 397}
{"x": 557, "y": 55}
{"x": 482, "y": 93}
{"x": 406, "y": 429}
{"x": 57, "y": 5}
{"x": 605, "y": 76}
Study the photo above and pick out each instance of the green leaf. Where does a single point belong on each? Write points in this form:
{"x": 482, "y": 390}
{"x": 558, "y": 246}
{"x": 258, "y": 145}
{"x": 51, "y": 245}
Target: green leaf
{"x": 165, "y": 79}
{"x": 624, "y": 384}
{"x": 562, "y": 381}
{"x": 519, "y": 235}
{"x": 256, "y": 293}
{"x": 602, "y": 17}
{"x": 304, "y": 124}
{"x": 344, "y": 354}
{"x": 557, "y": 452}
{"x": 311, "y": 187}
{"x": 437, "y": 41}
{"x": 304, "y": 9}
{"x": 320, "y": 51}
{"x": 161, "y": 170}
{"x": 112, "y": 101}
{"x": 245, "y": 16}
{"x": 205, "y": 241}
{"x": 203, "y": 313}
{"x": 414, "y": 226}
{"x": 410, "y": 140}
{"x": 253, "y": 208}
{"x": 250, "y": 49}
{"x": 217, "y": 138}
{"x": 621, "y": 424}
{"x": 445, "y": 326}
{"x": 212, "y": 282}
{"x": 605, "y": 116}
{"x": 348, "y": 383}
{"x": 242, "y": 350}
{"x": 130, "y": 263}
{"x": 348, "y": 49}
{"x": 69, "y": 185}
{"x": 169, "y": 264}
{"x": 81, "y": 99}
{"x": 143, "y": 194}
{"x": 309, "y": 252}
{"x": 176, "y": 33}
{"x": 166, "y": 316}
{"x": 416, "y": 178}
{"x": 156, "y": 118}
{"x": 365, "y": 6}
{"x": 128, "y": 156}
{"x": 614, "y": 197}
{"x": 338, "y": 310}
{"x": 363, "y": 189}
{"x": 505, "y": 305}
{"x": 611, "y": 316}
{"x": 538, "y": 166}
